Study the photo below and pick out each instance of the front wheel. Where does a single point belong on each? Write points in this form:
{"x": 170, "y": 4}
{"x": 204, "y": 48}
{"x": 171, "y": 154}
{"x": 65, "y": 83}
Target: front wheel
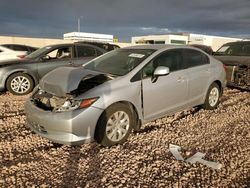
{"x": 212, "y": 97}
{"x": 20, "y": 84}
{"x": 114, "y": 125}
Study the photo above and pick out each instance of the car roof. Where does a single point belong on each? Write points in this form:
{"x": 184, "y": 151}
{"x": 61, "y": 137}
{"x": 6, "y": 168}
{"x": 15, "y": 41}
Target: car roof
{"x": 238, "y": 42}
{"x": 68, "y": 44}
{"x": 158, "y": 46}
{"x": 14, "y": 44}
{"x": 5, "y": 48}
{"x": 89, "y": 42}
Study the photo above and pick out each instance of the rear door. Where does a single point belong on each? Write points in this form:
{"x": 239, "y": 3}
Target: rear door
{"x": 199, "y": 72}
{"x": 169, "y": 93}
{"x": 57, "y": 57}
{"x": 85, "y": 53}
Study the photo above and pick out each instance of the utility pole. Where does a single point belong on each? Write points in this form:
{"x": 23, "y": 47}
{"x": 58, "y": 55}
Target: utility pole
{"x": 79, "y": 24}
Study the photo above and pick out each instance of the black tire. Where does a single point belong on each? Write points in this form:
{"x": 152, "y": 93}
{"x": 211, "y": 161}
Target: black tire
{"x": 208, "y": 105}
{"x": 27, "y": 80}
{"x": 100, "y": 131}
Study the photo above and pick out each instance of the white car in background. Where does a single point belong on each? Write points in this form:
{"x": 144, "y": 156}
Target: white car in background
{"x": 8, "y": 54}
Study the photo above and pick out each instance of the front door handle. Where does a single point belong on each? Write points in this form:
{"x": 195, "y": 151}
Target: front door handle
{"x": 180, "y": 79}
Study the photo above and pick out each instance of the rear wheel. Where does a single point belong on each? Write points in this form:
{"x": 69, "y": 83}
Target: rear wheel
{"x": 114, "y": 125}
{"x": 20, "y": 84}
{"x": 212, "y": 97}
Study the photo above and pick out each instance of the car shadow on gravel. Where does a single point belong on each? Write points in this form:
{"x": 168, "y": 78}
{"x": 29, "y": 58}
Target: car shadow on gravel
{"x": 182, "y": 115}
{"x": 77, "y": 172}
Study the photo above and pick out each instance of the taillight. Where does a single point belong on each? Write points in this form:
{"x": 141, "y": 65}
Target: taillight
{"x": 225, "y": 67}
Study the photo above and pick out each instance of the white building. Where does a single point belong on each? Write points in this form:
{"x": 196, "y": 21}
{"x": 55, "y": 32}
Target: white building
{"x": 214, "y": 41}
{"x": 161, "y": 39}
{"x": 90, "y": 37}
{"x": 184, "y": 38}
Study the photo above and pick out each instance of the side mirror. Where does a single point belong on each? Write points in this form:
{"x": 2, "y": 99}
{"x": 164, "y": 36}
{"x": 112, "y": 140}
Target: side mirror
{"x": 45, "y": 58}
{"x": 160, "y": 71}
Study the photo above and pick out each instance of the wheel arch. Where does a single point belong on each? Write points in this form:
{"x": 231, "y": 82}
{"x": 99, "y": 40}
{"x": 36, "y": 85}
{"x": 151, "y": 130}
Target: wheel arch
{"x": 133, "y": 110}
{"x": 32, "y": 76}
{"x": 218, "y": 82}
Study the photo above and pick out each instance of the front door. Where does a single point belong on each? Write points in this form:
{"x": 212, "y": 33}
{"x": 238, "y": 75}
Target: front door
{"x": 169, "y": 93}
{"x": 56, "y": 58}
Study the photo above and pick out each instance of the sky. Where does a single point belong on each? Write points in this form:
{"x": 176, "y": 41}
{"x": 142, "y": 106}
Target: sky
{"x": 124, "y": 18}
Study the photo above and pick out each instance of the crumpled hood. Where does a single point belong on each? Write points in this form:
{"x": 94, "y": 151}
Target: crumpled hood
{"x": 63, "y": 80}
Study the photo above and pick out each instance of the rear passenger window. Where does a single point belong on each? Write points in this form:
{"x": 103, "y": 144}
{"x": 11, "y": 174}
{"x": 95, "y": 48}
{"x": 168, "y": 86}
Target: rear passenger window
{"x": 85, "y": 51}
{"x": 195, "y": 58}
{"x": 246, "y": 50}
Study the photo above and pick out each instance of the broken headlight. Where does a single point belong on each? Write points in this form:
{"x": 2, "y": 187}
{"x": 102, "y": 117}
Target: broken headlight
{"x": 70, "y": 105}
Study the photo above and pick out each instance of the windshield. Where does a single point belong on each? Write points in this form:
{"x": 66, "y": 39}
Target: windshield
{"x": 233, "y": 49}
{"x": 119, "y": 62}
{"x": 38, "y": 52}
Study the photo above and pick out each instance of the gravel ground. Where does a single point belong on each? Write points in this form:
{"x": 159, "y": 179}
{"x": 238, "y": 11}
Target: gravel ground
{"x": 27, "y": 160}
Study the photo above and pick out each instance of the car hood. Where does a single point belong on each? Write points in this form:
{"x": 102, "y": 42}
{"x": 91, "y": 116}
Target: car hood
{"x": 13, "y": 62}
{"x": 65, "y": 80}
{"x": 234, "y": 60}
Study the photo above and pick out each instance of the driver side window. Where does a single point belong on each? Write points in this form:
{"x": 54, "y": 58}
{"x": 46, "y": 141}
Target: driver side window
{"x": 171, "y": 59}
{"x": 60, "y": 53}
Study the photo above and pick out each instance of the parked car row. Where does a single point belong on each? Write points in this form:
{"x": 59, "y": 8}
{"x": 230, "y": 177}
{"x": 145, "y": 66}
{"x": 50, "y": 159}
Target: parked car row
{"x": 82, "y": 97}
{"x": 235, "y": 56}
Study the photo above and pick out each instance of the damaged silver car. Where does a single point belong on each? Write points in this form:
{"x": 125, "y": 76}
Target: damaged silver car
{"x": 121, "y": 90}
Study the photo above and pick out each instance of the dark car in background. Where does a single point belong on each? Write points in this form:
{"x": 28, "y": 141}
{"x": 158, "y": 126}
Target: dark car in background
{"x": 20, "y": 76}
{"x": 20, "y": 47}
{"x": 236, "y": 57}
{"x": 204, "y": 48}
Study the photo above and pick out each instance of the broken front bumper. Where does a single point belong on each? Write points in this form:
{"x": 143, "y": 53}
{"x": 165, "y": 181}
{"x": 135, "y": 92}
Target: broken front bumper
{"x": 73, "y": 128}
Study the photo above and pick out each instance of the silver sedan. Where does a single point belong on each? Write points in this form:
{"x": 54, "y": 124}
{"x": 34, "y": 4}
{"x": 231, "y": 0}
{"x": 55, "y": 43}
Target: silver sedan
{"x": 121, "y": 90}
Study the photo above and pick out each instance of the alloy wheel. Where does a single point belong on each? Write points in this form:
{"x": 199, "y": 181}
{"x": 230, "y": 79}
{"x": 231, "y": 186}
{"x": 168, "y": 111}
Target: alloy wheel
{"x": 20, "y": 84}
{"x": 213, "y": 96}
{"x": 117, "y": 126}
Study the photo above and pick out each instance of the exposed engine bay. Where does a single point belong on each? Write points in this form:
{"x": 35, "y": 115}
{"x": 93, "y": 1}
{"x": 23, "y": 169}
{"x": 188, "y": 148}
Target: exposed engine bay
{"x": 50, "y": 102}
{"x": 238, "y": 76}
